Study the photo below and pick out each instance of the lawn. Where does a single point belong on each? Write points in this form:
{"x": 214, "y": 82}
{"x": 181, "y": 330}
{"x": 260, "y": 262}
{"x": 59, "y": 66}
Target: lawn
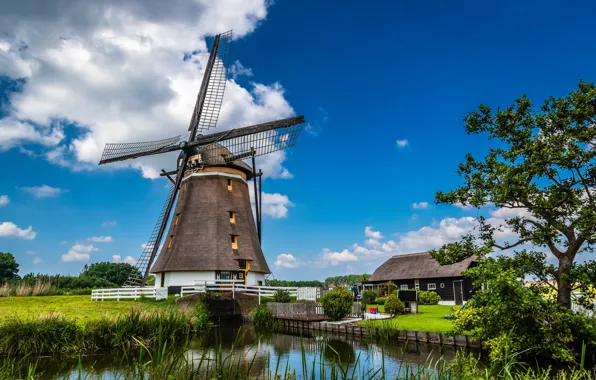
{"x": 430, "y": 318}
{"x": 78, "y": 307}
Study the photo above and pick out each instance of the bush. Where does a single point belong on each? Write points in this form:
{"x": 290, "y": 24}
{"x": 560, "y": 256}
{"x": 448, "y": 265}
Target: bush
{"x": 428, "y": 297}
{"x": 394, "y": 306}
{"x": 80, "y": 292}
{"x": 263, "y": 318}
{"x": 369, "y": 297}
{"x": 282, "y": 296}
{"x": 337, "y": 303}
{"x": 202, "y": 316}
{"x": 381, "y": 300}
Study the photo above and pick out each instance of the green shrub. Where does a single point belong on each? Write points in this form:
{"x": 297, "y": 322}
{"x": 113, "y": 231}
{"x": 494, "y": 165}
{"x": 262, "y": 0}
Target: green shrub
{"x": 80, "y": 292}
{"x": 369, "y": 297}
{"x": 263, "y": 318}
{"x": 428, "y": 297}
{"x": 337, "y": 303}
{"x": 202, "y": 316}
{"x": 381, "y": 300}
{"x": 394, "y": 306}
{"x": 282, "y": 296}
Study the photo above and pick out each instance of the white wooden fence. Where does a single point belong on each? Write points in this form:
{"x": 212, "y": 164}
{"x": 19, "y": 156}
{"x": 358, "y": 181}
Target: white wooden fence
{"x": 128, "y": 293}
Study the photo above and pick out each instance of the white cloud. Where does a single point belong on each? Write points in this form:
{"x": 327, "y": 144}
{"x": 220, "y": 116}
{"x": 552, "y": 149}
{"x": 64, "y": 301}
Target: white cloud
{"x": 335, "y": 258}
{"x": 420, "y": 205}
{"x": 115, "y": 70}
{"x": 463, "y": 206}
{"x": 37, "y": 260}
{"x": 9, "y": 229}
{"x": 31, "y": 252}
{"x": 100, "y": 239}
{"x": 369, "y": 233}
{"x": 288, "y": 261}
{"x": 109, "y": 223}
{"x": 401, "y": 143}
{"x": 43, "y": 191}
{"x": 79, "y": 252}
{"x": 237, "y": 69}
{"x": 4, "y": 200}
{"x": 274, "y": 205}
{"x": 128, "y": 259}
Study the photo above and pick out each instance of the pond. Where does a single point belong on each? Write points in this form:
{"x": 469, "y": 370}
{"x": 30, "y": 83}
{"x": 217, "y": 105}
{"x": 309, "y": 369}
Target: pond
{"x": 240, "y": 348}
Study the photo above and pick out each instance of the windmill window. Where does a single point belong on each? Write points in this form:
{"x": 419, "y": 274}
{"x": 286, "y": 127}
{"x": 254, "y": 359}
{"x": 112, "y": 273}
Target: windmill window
{"x": 184, "y": 187}
{"x": 234, "y": 241}
{"x": 170, "y": 241}
{"x": 403, "y": 287}
{"x": 229, "y": 184}
{"x": 242, "y": 264}
{"x": 432, "y": 286}
{"x": 232, "y": 217}
{"x": 176, "y": 219}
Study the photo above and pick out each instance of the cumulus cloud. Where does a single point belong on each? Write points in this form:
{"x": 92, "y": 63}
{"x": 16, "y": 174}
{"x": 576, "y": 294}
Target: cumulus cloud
{"x": 123, "y": 72}
{"x": 79, "y": 252}
{"x": 274, "y": 205}
{"x": 4, "y": 200}
{"x": 401, "y": 143}
{"x": 128, "y": 259}
{"x": 100, "y": 239}
{"x": 420, "y": 205}
{"x": 288, "y": 261}
{"x": 9, "y": 229}
{"x": 43, "y": 191}
{"x": 335, "y": 258}
{"x": 369, "y": 233}
{"x": 109, "y": 223}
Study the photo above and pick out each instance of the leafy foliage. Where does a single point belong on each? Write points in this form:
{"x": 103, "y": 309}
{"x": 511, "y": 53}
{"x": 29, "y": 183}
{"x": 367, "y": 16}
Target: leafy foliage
{"x": 543, "y": 174}
{"x": 8, "y": 267}
{"x": 202, "y": 316}
{"x": 263, "y": 318}
{"x": 369, "y": 297}
{"x": 282, "y": 296}
{"x": 287, "y": 283}
{"x": 337, "y": 303}
{"x": 116, "y": 273}
{"x": 510, "y": 317}
{"x": 347, "y": 280}
{"x": 428, "y": 297}
{"x": 394, "y": 306}
{"x": 380, "y": 300}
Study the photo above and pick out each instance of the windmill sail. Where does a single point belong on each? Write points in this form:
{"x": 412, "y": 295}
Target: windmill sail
{"x": 206, "y": 111}
{"x": 126, "y": 151}
{"x": 144, "y": 261}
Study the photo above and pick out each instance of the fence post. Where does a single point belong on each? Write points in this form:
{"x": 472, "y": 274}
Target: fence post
{"x": 259, "y": 292}
{"x": 233, "y": 289}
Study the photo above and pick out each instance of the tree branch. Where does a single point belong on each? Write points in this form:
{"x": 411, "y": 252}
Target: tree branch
{"x": 522, "y": 241}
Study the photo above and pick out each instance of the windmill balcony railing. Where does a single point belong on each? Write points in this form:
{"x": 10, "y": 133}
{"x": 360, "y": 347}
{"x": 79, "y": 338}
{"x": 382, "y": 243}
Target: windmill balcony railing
{"x": 128, "y": 293}
{"x": 238, "y": 286}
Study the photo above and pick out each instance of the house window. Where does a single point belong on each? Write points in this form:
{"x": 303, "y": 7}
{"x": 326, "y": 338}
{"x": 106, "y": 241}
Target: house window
{"x": 170, "y": 241}
{"x": 229, "y": 184}
{"x": 234, "y": 241}
{"x": 232, "y": 217}
{"x": 223, "y": 275}
{"x": 184, "y": 187}
{"x": 432, "y": 286}
{"x": 417, "y": 284}
{"x": 442, "y": 285}
{"x": 176, "y": 219}
{"x": 403, "y": 287}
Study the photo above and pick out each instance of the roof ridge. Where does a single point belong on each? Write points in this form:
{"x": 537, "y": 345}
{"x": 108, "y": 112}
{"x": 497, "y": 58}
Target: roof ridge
{"x": 411, "y": 254}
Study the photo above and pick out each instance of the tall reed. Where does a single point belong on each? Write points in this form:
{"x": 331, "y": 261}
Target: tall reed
{"x": 41, "y": 287}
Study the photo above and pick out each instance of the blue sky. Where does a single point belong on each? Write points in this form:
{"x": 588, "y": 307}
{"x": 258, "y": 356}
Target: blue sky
{"x": 365, "y": 77}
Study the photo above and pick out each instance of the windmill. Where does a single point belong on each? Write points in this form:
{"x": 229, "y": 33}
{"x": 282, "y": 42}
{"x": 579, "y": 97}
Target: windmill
{"x": 213, "y": 233}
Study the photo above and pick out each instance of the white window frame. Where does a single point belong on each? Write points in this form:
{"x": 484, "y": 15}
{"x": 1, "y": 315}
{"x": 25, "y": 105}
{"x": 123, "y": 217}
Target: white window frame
{"x": 403, "y": 287}
{"x": 417, "y": 284}
{"x": 431, "y": 286}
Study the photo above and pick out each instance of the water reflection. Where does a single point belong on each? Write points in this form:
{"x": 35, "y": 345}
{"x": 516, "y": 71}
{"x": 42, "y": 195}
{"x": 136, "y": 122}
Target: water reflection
{"x": 275, "y": 353}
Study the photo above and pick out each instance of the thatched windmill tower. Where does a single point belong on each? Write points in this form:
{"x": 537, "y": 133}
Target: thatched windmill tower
{"x": 212, "y": 234}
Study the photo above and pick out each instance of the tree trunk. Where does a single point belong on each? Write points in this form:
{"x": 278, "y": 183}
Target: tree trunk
{"x": 563, "y": 284}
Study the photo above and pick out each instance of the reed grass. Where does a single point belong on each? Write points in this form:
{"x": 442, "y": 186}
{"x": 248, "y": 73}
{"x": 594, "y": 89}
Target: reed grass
{"x": 41, "y": 287}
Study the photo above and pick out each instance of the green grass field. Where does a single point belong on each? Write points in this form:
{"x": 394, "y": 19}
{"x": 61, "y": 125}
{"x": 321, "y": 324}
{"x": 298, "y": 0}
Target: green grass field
{"x": 80, "y": 308}
{"x": 430, "y": 318}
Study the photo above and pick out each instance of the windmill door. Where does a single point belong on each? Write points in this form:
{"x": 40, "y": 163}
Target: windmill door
{"x": 458, "y": 292}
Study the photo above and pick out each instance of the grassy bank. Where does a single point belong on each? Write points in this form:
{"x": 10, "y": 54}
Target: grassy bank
{"x": 79, "y": 308}
{"x": 430, "y": 318}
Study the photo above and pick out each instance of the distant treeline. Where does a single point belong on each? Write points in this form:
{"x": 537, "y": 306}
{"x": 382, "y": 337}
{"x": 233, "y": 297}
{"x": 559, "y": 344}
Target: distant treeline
{"x": 350, "y": 279}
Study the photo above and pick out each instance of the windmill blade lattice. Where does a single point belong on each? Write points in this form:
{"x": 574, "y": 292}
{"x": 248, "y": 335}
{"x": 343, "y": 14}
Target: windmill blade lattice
{"x": 125, "y": 151}
{"x": 138, "y": 278}
{"x": 206, "y": 118}
{"x": 261, "y": 143}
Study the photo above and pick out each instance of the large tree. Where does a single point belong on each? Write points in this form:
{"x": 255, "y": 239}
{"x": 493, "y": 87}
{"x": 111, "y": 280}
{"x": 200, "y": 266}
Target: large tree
{"x": 542, "y": 169}
{"x": 8, "y": 267}
{"x": 112, "y": 272}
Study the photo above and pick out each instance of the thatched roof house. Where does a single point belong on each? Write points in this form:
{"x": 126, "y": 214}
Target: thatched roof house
{"x": 421, "y": 271}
